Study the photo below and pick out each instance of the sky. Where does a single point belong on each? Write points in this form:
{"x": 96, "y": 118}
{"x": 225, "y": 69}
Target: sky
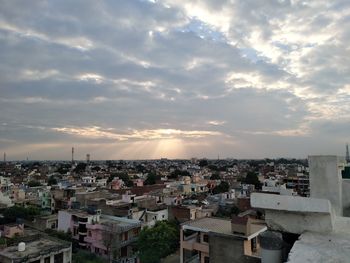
{"x": 138, "y": 79}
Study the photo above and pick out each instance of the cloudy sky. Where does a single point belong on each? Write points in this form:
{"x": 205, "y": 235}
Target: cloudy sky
{"x": 134, "y": 79}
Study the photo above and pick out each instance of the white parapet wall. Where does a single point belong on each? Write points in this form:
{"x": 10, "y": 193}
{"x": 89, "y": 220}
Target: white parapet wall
{"x": 326, "y": 180}
{"x": 295, "y": 214}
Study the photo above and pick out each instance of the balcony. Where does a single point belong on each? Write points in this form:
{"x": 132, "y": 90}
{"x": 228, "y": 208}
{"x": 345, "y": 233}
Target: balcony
{"x": 127, "y": 242}
{"x": 194, "y": 259}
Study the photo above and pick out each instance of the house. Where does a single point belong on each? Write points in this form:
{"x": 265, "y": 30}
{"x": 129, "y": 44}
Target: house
{"x": 212, "y": 239}
{"x": 11, "y": 230}
{"x": 42, "y": 249}
{"x": 101, "y": 234}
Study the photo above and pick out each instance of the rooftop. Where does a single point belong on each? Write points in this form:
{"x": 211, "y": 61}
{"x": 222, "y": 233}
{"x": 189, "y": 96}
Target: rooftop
{"x": 35, "y": 248}
{"x": 209, "y": 224}
{"x": 320, "y": 247}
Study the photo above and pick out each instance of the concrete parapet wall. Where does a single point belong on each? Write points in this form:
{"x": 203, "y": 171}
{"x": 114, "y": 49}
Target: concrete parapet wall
{"x": 326, "y": 180}
{"x": 298, "y": 223}
{"x": 290, "y": 203}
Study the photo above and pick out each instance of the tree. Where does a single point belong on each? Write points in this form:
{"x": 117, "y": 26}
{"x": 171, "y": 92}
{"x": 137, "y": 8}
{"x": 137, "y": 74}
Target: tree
{"x": 151, "y": 178}
{"x": 221, "y": 188}
{"x": 177, "y": 173}
{"x": 203, "y": 162}
{"x": 110, "y": 236}
{"x": 86, "y": 257}
{"x": 10, "y": 214}
{"x": 158, "y": 242}
{"x": 123, "y": 176}
{"x": 52, "y": 180}
{"x": 80, "y": 168}
{"x": 252, "y": 178}
{"x": 33, "y": 183}
{"x": 215, "y": 176}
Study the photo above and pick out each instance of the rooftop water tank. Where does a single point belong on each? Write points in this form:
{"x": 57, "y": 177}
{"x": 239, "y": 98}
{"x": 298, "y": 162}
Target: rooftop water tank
{"x": 21, "y": 247}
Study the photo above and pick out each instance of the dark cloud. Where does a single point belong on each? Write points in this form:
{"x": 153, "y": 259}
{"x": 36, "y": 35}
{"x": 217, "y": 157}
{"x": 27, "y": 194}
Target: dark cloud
{"x": 251, "y": 73}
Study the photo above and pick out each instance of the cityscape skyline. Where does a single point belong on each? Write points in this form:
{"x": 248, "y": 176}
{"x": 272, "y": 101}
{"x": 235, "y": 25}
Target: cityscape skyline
{"x": 150, "y": 79}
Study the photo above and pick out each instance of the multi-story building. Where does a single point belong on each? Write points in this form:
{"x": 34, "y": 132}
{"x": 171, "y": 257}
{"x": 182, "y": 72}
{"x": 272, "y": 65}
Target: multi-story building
{"x": 299, "y": 183}
{"x": 108, "y": 236}
{"x": 219, "y": 240}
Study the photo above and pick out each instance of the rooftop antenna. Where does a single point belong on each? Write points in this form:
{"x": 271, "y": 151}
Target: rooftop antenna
{"x": 347, "y": 154}
{"x": 72, "y": 155}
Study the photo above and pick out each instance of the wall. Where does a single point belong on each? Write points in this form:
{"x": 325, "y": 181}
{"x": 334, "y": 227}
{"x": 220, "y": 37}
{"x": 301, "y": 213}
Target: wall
{"x": 326, "y": 181}
{"x": 64, "y": 221}
{"x": 227, "y": 249}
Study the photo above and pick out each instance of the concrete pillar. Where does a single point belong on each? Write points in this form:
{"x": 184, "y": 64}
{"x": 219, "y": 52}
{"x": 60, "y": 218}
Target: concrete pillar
{"x": 271, "y": 244}
{"x": 326, "y": 180}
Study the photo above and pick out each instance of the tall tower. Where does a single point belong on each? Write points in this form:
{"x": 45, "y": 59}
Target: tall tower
{"x": 347, "y": 154}
{"x": 88, "y": 158}
{"x": 72, "y": 155}
{"x": 4, "y": 157}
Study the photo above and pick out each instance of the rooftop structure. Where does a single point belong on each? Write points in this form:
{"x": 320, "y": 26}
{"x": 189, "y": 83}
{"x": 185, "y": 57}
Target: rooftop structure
{"x": 42, "y": 250}
{"x": 315, "y": 226}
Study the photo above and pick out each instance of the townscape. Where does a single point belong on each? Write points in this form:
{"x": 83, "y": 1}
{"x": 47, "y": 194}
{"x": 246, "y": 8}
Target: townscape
{"x": 196, "y": 210}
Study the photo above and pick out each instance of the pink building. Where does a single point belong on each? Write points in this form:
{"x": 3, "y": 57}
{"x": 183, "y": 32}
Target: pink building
{"x": 138, "y": 182}
{"x": 104, "y": 235}
{"x": 116, "y": 183}
{"x": 11, "y": 230}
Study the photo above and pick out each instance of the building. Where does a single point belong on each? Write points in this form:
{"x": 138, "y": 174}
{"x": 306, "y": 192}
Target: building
{"x": 212, "y": 239}
{"x": 101, "y": 234}
{"x": 309, "y": 229}
{"x": 39, "y": 250}
{"x": 11, "y": 230}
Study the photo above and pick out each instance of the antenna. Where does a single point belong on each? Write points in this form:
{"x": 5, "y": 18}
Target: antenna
{"x": 72, "y": 154}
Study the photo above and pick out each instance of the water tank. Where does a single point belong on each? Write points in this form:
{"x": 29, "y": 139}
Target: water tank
{"x": 271, "y": 244}
{"x": 21, "y": 246}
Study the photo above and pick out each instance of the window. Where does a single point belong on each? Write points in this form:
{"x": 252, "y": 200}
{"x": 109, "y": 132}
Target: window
{"x": 254, "y": 244}
{"x": 47, "y": 260}
{"x": 206, "y": 259}
{"x": 89, "y": 233}
{"x": 58, "y": 258}
{"x": 205, "y": 238}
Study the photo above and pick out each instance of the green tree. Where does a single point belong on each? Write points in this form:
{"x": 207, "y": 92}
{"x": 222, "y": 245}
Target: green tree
{"x": 151, "y": 178}
{"x": 177, "y": 173}
{"x": 203, "y": 162}
{"x": 215, "y": 176}
{"x": 10, "y": 214}
{"x": 221, "y": 188}
{"x": 33, "y": 183}
{"x": 252, "y": 178}
{"x": 52, "y": 180}
{"x": 86, "y": 257}
{"x": 158, "y": 242}
{"x": 123, "y": 176}
{"x": 80, "y": 168}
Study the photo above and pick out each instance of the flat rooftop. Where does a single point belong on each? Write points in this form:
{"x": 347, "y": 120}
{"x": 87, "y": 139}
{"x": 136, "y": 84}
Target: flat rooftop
{"x": 321, "y": 247}
{"x": 35, "y": 248}
{"x": 209, "y": 224}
